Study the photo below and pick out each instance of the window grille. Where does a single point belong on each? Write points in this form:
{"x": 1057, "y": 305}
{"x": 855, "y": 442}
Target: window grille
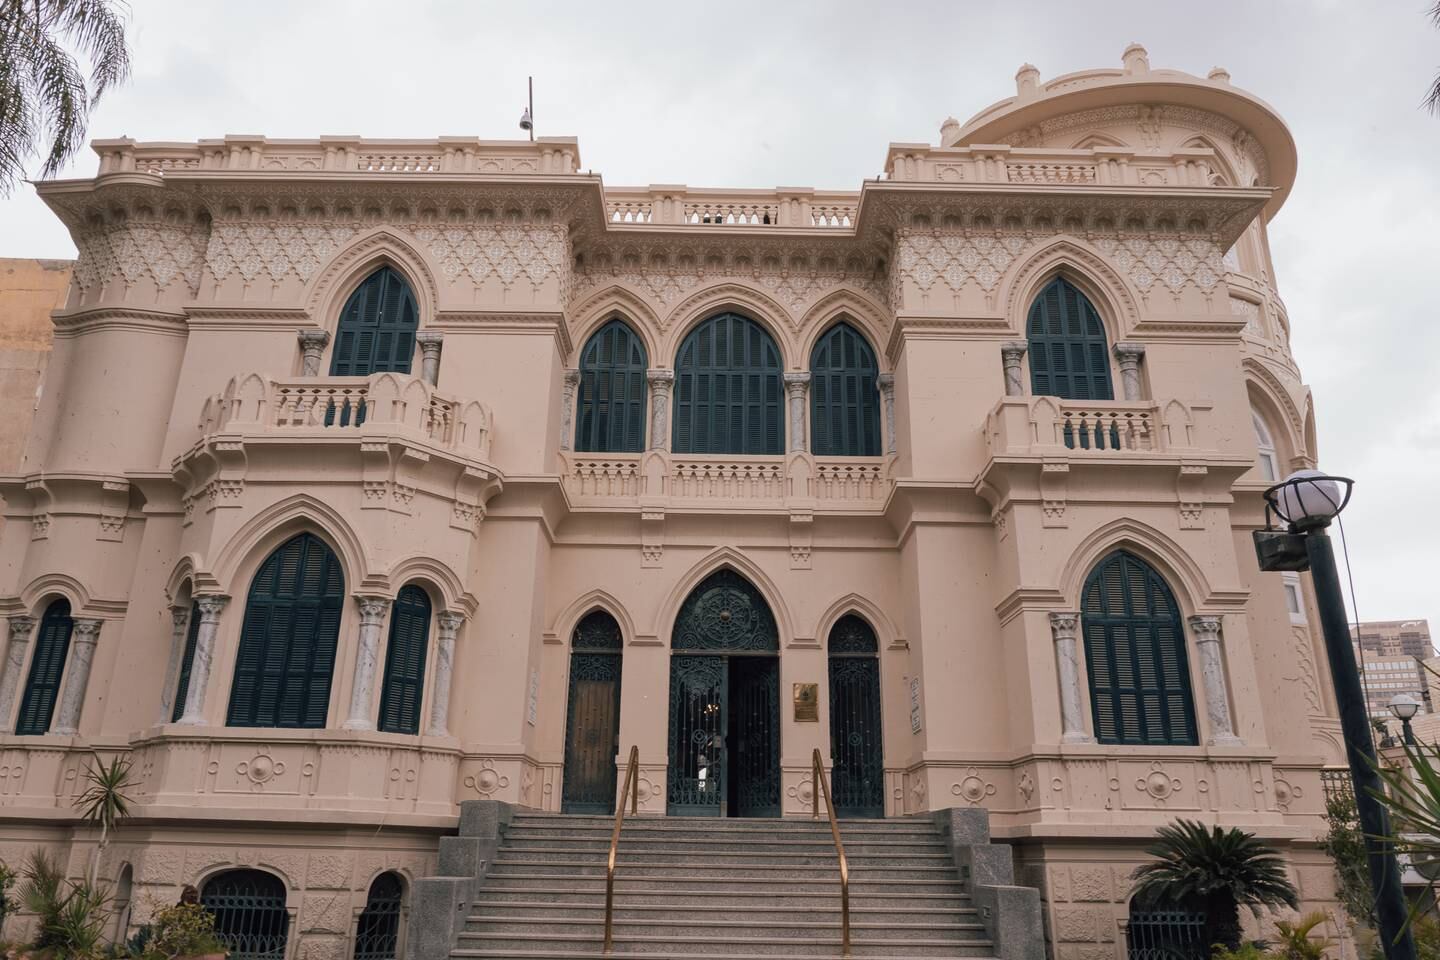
{"x": 377, "y": 935}
{"x": 1167, "y": 935}
{"x": 250, "y": 915}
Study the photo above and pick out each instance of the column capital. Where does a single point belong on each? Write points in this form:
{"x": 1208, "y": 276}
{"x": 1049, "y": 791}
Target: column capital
{"x": 430, "y": 339}
{"x": 1206, "y": 628}
{"x": 210, "y": 605}
{"x": 20, "y": 627}
{"x": 1129, "y": 352}
{"x": 1064, "y": 625}
{"x": 572, "y": 376}
{"x": 86, "y": 631}
{"x": 660, "y": 378}
{"x": 797, "y": 377}
{"x": 313, "y": 339}
{"x": 372, "y": 609}
{"x": 1014, "y": 349}
{"x": 449, "y": 622}
{"x": 885, "y": 382}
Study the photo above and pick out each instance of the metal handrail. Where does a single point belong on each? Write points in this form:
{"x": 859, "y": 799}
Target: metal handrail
{"x": 817, "y": 770}
{"x": 632, "y": 791}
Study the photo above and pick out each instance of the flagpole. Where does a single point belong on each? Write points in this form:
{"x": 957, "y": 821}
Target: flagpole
{"x": 531, "y": 81}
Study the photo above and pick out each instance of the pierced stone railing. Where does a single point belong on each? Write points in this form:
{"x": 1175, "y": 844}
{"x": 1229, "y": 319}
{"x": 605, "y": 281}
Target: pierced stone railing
{"x": 1050, "y": 426}
{"x": 378, "y": 404}
{"x": 1105, "y": 166}
{"x": 797, "y": 208}
{"x": 624, "y": 479}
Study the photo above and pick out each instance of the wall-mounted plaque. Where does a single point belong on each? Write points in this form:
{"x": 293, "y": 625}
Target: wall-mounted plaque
{"x": 807, "y": 703}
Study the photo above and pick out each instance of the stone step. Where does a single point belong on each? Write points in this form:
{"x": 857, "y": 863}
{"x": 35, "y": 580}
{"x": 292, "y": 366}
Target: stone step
{"x": 700, "y": 882}
{"x": 689, "y": 866}
{"x": 701, "y": 845}
{"x": 690, "y": 926}
{"x": 590, "y": 952}
{"x": 819, "y": 857}
{"x": 809, "y": 945}
{"x": 828, "y": 910}
{"x": 751, "y": 897}
{"x": 709, "y": 826}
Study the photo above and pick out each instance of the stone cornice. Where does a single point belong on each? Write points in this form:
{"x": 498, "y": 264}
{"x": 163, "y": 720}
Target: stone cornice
{"x": 73, "y": 323}
{"x": 542, "y": 322}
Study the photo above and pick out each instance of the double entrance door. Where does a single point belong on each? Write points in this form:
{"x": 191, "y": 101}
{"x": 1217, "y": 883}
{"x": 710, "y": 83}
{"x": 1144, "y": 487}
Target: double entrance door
{"x": 724, "y": 735}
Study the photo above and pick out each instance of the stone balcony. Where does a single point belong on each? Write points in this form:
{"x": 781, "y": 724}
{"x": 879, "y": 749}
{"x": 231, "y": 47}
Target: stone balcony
{"x": 1094, "y": 167}
{"x": 683, "y": 482}
{"x": 1107, "y": 429}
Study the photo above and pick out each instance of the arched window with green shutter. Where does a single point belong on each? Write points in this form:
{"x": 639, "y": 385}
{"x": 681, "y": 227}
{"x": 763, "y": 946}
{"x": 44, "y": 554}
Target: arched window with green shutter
{"x": 405, "y": 661}
{"x": 377, "y": 327}
{"x": 47, "y": 666}
{"x": 1069, "y": 357}
{"x": 187, "y": 661}
{"x": 1135, "y": 655}
{"x": 287, "y": 641}
{"x": 728, "y": 395}
{"x": 844, "y": 404}
{"x": 610, "y": 408}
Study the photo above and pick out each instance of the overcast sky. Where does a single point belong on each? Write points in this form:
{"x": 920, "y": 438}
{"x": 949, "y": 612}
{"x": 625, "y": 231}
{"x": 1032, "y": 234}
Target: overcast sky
{"x": 767, "y": 94}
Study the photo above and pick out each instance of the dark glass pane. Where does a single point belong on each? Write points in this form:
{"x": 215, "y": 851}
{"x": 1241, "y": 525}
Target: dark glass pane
{"x": 610, "y": 406}
{"x": 1068, "y": 352}
{"x": 728, "y": 395}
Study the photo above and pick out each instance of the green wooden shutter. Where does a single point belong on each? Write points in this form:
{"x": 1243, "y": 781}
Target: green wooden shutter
{"x": 47, "y": 666}
{"x": 844, "y": 404}
{"x": 1135, "y": 655}
{"x": 187, "y": 660}
{"x": 377, "y": 327}
{"x": 404, "y": 681}
{"x": 611, "y": 402}
{"x": 728, "y": 396}
{"x": 1068, "y": 353}
{"x": 287, "y": 641}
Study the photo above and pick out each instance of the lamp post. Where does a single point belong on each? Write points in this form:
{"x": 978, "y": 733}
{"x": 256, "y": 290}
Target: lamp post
{"x": 1403, "y": 707}
{"x": 1307, "y": 501}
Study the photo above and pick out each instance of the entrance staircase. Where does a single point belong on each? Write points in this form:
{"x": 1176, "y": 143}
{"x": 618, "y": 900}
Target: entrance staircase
{"x": 722, "y": 889}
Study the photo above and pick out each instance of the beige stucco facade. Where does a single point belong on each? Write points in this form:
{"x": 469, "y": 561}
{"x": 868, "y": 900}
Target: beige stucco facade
{"x": 169, "y": 456}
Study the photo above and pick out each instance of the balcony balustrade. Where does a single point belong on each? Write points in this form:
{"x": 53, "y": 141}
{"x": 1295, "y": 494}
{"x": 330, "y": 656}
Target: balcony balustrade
{"x": 685, "y": 206}
{"x": 682, "y": 480}
{"x": 1050, "y": 426}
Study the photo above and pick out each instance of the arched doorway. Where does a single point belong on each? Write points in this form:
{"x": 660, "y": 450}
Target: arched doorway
{"x": 592, "y": 719}
{"x": 856, "y": 747}
{"x": 724, "y": 703}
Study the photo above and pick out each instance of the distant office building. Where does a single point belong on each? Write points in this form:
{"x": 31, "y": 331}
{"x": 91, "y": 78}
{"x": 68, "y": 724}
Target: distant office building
{"x": 1393, "y": 638}
{"x": 1387, "y": 676}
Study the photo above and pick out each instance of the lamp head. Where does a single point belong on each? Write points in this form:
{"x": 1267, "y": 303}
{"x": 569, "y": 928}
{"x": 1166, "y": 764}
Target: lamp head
{"x": 1403, "y": 706}
{"x": 525, "y": 122}
{"x": 1309, "y": 499}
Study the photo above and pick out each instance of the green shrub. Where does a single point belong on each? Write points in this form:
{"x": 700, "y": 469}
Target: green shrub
{"x": 1295, "y": 942}
{"x": 1245, "y": 951}
{"x": 43, "y": 894}
{"x": 184, "y": 930}
{"x": 7, "y": 884}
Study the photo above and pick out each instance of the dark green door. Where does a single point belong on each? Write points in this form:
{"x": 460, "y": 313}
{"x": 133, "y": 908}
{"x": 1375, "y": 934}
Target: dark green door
{"x": 857, "y": 777}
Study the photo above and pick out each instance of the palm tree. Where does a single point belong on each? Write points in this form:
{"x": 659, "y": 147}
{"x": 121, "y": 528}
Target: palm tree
{"x": 44, "y": 96}
{"x": 1432, "y": 99}
{"x": 104, "y": 802}
{"x": 1222, "y": 869}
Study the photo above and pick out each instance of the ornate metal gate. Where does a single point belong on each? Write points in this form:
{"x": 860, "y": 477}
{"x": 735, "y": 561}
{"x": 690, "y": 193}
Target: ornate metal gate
{"x": 250, "y": 915}
{"x": 377, "y": 933}
{"x": 724, "y": 703}
{"x": 1166, "y": 935}
{"x": 856, "y": 747}
{"x": 592, "y": 724}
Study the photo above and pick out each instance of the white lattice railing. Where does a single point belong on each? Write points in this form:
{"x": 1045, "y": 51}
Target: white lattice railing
{"x": 621, "y": 478}
{"x": 1102, "y": 428}
{"x": 731, "y": 208}
{"x": 1050, "y": 172}
{"x": 1104, "y": 165}
{"x": 379, "y": 404}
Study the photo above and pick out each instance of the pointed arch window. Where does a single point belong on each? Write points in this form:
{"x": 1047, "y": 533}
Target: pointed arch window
{"x": 377, "y": 327}
{"x": 1068, "y": 353}
{"x": 611, "y": 402}
{"x": 405, "y": 661}
{"x": 1269, "y": 460}
{"x": 47, "y": 666}
{"x": 287, "y": 641}
{"x": 844, "y": 403}
{"x": 728, "y": 397}
{"x": 187, "y": 662}
{"x": 1135, "y": 655}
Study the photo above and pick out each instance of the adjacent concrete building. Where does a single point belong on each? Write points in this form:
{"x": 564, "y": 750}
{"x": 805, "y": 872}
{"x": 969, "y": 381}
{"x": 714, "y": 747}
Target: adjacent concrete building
{"x": 1393, "y": 638}
{"x": 369, "y": 477}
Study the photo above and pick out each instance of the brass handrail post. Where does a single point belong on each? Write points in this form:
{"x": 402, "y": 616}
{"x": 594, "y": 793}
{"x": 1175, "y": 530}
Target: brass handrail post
{"x": 631, "y": 791}
{"x": 822, "y": 787}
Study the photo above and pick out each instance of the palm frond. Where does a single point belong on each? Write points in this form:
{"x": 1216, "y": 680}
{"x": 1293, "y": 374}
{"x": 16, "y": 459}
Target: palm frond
{"x": 104, "y": 801}
{"x": 63, "y": 104}
{"x": 99, "y": 33}
{"x": 1195, "y": 861}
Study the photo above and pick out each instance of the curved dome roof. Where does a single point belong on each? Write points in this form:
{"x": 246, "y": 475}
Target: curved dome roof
{"x": 1135, "y": 84}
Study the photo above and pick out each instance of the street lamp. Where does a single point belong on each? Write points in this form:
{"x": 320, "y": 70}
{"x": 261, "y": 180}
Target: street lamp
{"x": 1403, "y": 707}
{"x": 1307, "y": 501}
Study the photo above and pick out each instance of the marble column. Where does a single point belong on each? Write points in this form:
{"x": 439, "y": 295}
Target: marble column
{"x": 1212, "y": 677}
{"x": 661, "y": 381}
{"x": 367, "y": 661}
{"x": 1063, "y": 629}
{"x": 1012, "y": 353}
{"x": 21, "y": 628}
{"x": 448, "y": 625}
{"x": 429, "y": 341}
{"x": 885, "y": 383}
{"x": 312, "y": 349}
{"x": 569, "y": 384}
{"x": 796, "y": 385}
{"x": 179, "y": 622}
{"x": 210, "y": 607}
{"x": 77, "y": 676}
{"x": 1128, "y": 355}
